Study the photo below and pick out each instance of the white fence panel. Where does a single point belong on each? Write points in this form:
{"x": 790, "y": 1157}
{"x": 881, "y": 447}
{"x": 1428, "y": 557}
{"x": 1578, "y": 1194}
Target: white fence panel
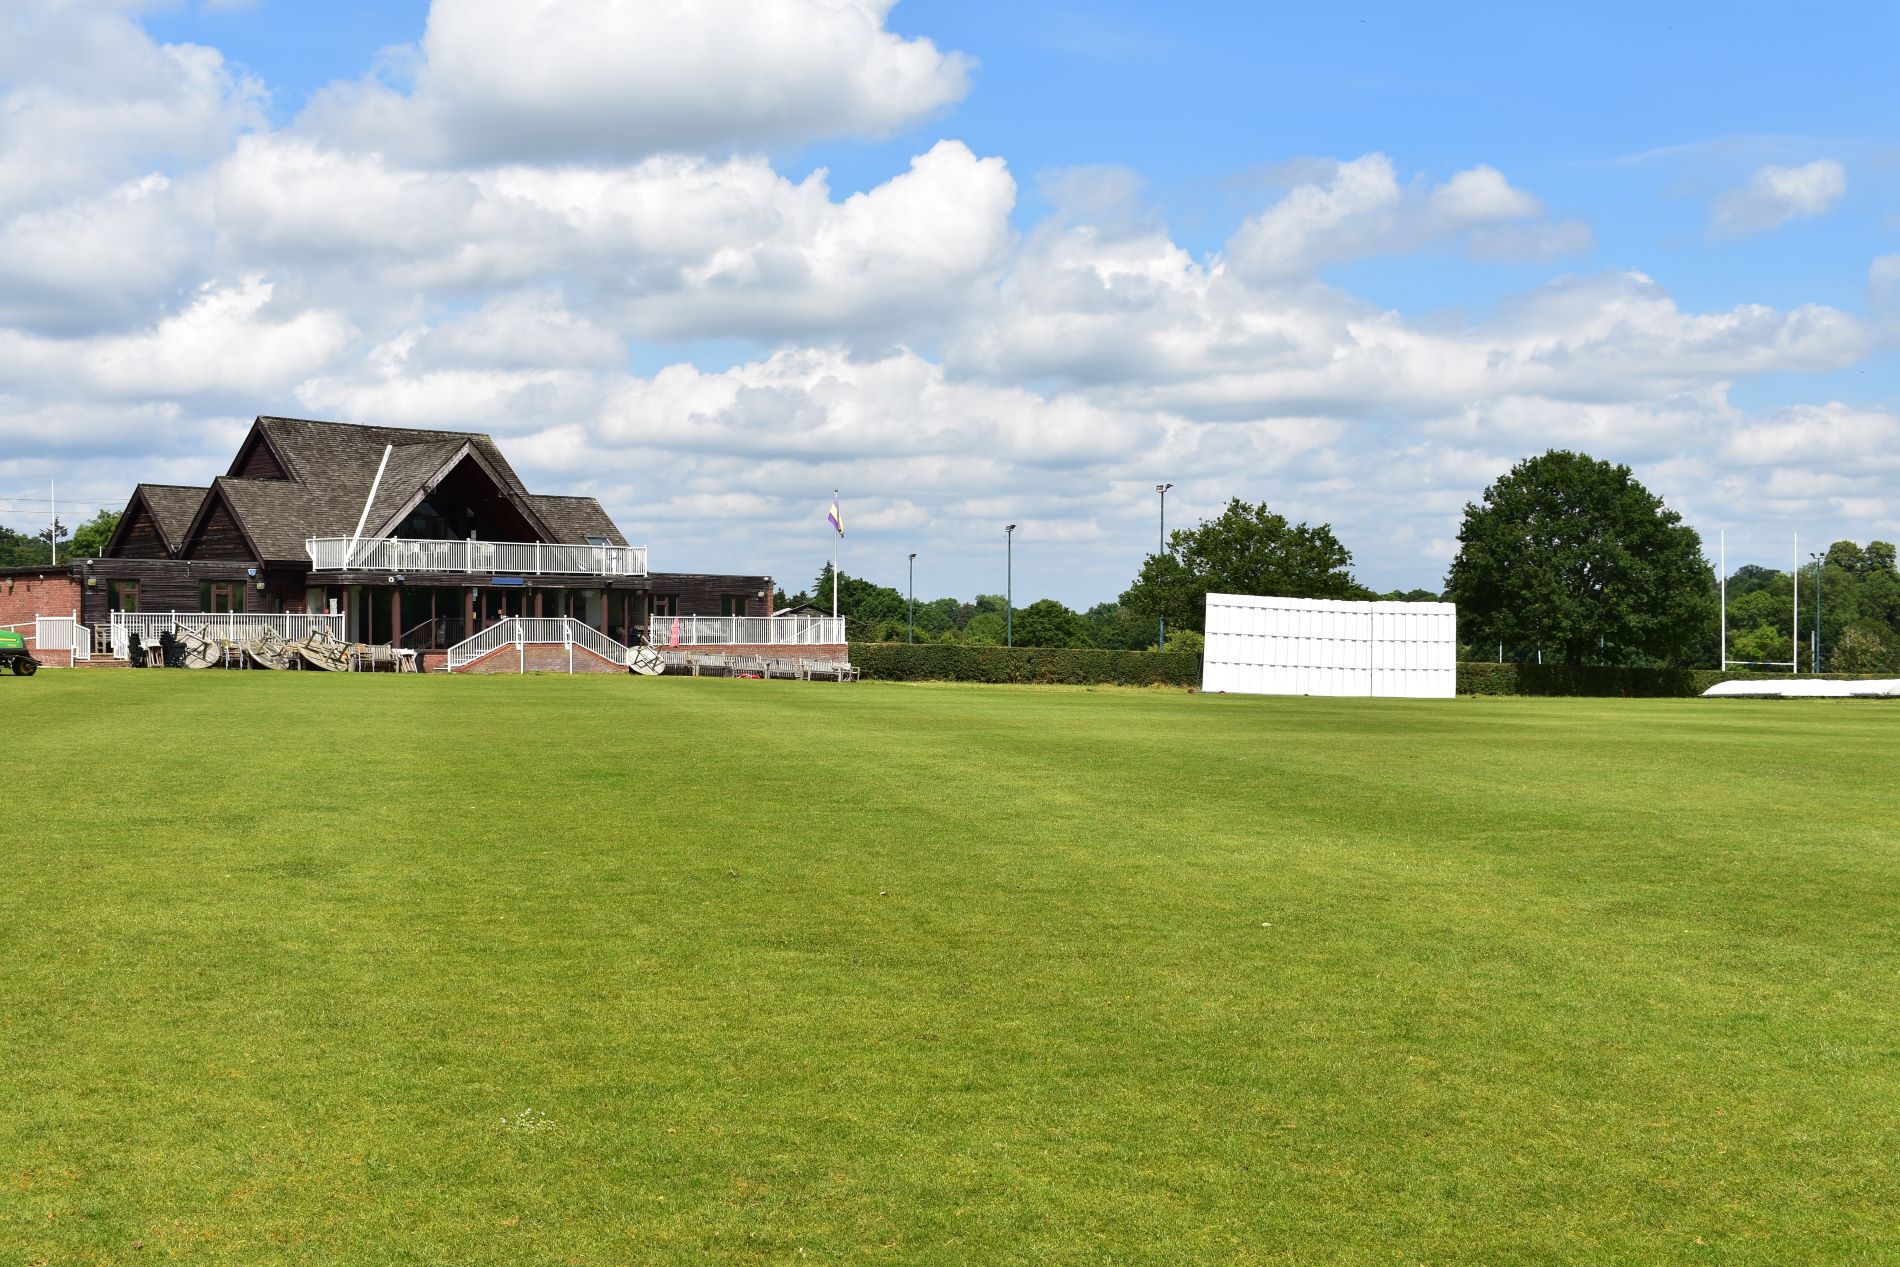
{"x": 1314, "y": 646}
{"x": 234, "y": 627}
{"x": 727, "y": 631}
{"x": 63, "y": 633}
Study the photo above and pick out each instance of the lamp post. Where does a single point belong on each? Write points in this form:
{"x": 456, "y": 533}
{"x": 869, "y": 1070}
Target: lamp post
{"x": 1814, "y": 659}
{"x": 1009, "y": 585}
{"x": 1161, "y": 625}
{"x": 910, "y": 634}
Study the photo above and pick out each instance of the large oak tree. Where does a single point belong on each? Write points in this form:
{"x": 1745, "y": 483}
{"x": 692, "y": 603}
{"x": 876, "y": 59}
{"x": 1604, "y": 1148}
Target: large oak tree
{"x": 1572, "y": 555}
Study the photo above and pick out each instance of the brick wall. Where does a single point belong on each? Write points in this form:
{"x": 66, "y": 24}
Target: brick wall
{"x": 771, "y": 651}
{"x": 25, "y": 595}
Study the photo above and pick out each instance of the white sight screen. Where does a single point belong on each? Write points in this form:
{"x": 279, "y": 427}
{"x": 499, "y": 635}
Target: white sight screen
{"x": 1323, "y": 646}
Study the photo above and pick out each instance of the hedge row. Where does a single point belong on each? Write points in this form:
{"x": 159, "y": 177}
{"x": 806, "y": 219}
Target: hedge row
{"x": 1078, "y": 666}
{"x": 1485, "y": 678}
{"x": 1067, "y": 666}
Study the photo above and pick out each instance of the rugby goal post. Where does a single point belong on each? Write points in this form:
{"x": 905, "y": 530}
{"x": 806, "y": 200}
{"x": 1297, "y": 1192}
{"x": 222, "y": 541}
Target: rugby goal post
{"x": 1794, "y": 626}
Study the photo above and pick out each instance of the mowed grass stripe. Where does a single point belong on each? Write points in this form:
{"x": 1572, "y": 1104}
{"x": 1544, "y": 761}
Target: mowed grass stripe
{"x": 332, "y": 969}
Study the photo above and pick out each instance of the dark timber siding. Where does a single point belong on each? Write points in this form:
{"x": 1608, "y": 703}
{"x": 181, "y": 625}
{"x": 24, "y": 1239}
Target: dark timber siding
{"x": 258, "y": 463}
{"x": 700, "y": 593}
{"x": 165, "y": 585}
{"x": 141, "y": 539}
{"x": 219, "y": 538}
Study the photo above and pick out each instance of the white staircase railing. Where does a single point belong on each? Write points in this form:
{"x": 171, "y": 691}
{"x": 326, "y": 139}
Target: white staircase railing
{"x": 521, "y": 632}
{"x": 63, "y": 633}
{"x": 595, "y": 641}
{"x": 470, "y": 649}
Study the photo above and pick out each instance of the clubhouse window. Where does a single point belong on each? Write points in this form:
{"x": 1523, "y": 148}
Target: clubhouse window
{"x": 222, "y": 596}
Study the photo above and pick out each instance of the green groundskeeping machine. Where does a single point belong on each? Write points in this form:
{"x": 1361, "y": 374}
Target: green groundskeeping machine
{"x": 13, "y": 653}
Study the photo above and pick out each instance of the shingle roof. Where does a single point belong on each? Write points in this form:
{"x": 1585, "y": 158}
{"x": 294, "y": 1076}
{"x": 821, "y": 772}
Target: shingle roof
{"x": 332, "y": 464}
{"x": 275, "y": 514}
{"x": 338, "y": 460}
{"x": 577, "y": 518}
{"x": 172, "y": 507}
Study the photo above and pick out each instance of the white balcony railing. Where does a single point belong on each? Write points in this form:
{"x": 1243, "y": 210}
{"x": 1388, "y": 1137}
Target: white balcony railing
{"x": 756, "y": 631}
{"x": 398, "y": 555}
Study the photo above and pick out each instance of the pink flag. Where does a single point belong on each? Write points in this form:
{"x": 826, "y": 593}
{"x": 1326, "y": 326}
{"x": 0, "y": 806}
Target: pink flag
{"x": 676, "y": 633}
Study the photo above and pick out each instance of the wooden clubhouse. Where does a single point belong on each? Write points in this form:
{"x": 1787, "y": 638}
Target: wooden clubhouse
{"x": 449, "y": 543}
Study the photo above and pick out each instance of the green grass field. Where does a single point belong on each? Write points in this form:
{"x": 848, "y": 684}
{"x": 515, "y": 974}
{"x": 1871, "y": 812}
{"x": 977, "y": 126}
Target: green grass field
{"x": 314, "y": 969}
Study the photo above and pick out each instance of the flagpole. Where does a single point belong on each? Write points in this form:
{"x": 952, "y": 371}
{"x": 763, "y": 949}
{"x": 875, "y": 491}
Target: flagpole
{"x": 837, "y": 556}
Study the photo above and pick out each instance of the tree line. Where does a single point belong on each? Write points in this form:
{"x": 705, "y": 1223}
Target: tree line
{"x": 1246, "y": 549}
{"x": 1852, "y": 594}
{"x": 1565, "y": 558}
{"x": 28, "y": 549}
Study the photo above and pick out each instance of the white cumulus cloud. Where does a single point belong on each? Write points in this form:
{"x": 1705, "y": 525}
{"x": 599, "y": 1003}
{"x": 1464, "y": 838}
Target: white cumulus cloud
{"x": 591, "y": 80}
{"x": 671, "y": 246}
{"x": 1776, "y": 195}
{"x": 229, "y": 339}
{"x": 1348, "y": 210}
{"x": 89, "y": 101}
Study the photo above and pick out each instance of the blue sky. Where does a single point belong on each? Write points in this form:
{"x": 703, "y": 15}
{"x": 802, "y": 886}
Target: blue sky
{"x": 1742, "y": 158}
{"x": 1618, "y": 114}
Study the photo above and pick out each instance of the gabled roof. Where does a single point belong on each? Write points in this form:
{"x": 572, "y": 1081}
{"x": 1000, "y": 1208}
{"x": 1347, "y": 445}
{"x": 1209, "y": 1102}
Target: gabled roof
{"x": 415, "y": 470}
{"x": 331, "y": 466}
{"x": 271, "y": 514}
{"x": 258, "y": 445}
{"x": 577, "y": 518}
{"x": 171, "y": 508}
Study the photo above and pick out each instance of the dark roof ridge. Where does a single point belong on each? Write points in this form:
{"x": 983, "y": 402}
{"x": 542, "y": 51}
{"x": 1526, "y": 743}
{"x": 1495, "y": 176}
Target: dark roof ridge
{"x": 428, "y": 432}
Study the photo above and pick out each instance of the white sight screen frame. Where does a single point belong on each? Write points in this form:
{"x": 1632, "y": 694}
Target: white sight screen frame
{"x": 1321, "y": 646}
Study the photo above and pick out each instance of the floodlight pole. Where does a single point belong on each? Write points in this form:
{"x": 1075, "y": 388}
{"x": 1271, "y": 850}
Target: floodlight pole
{"x": 1722, "y": 566}
{"x": 1009, "y": 585}
{"x": 1815, "y": 657}
{"x": 1161, "y": 626}
{"x": 910, "y": 635}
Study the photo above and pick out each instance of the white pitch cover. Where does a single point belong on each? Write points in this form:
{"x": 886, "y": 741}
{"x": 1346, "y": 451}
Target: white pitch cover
{"x": 1322, "y": 646}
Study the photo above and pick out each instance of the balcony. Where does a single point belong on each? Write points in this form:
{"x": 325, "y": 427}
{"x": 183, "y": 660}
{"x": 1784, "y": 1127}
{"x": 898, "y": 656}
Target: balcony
{"x": 393, "y": 555}
{"x": 739, "y": 631}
